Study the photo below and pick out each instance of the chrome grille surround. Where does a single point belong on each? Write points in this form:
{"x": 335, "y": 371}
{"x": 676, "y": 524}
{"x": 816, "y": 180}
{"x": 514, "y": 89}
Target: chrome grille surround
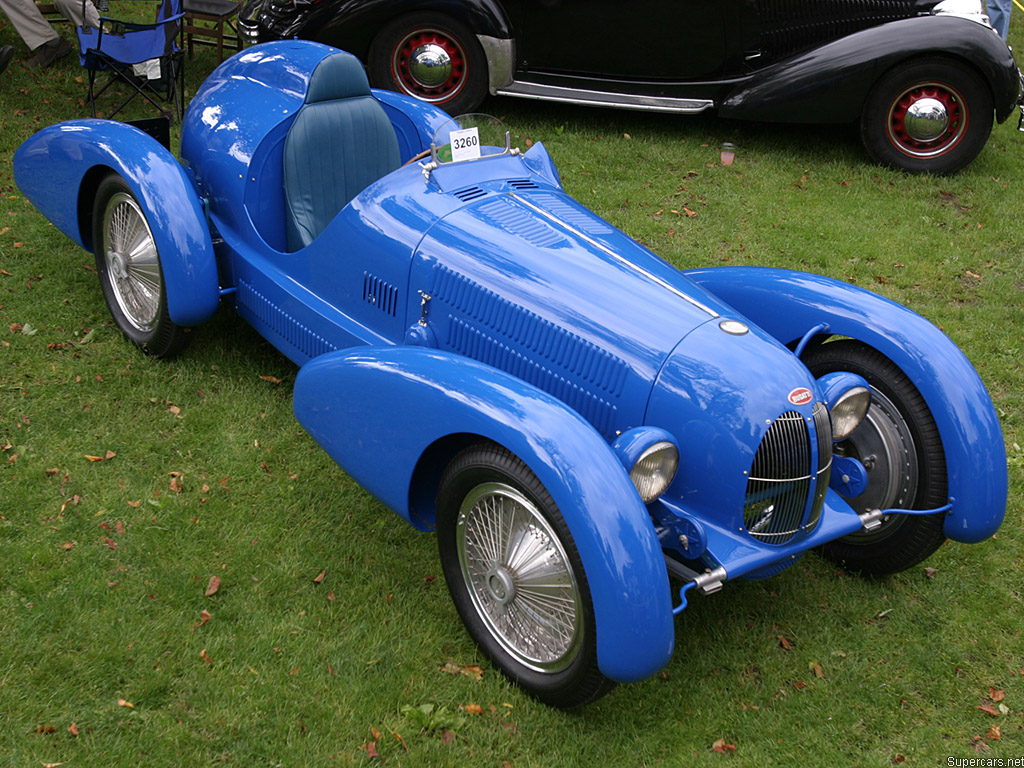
{"x": 789, "y": 477}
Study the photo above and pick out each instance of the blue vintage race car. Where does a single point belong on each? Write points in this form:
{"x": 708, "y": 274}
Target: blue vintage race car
{"x": 578, "y": 420}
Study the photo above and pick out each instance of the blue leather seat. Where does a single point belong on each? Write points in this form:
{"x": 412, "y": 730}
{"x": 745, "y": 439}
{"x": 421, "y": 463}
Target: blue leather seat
{"x": 341, "y": 141}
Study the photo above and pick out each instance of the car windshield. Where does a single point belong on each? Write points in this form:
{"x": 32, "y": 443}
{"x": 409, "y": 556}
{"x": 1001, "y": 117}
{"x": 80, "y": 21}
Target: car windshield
{"x": 470, "y": 137}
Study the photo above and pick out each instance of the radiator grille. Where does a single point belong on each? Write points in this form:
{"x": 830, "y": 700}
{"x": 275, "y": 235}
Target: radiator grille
{"x": 789, "y": 477}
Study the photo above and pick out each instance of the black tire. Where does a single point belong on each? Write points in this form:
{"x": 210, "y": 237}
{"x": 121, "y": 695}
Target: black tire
{"x": 130, "y": 271}
{"x": 926, "y": 90}
{"x": 457, "y": 87}
{"x": 899, "y": 444}
{"x": 508, "y": 603}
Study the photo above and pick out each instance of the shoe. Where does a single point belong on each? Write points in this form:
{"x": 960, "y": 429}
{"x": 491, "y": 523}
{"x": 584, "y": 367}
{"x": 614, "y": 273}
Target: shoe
{"x": 48, "y": 52}
{"x": 6, "y": 54}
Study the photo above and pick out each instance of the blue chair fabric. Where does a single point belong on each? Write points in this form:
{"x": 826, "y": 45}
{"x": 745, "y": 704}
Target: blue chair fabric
{"x": 340, "y": 143}
{"x": 131, "y": 53}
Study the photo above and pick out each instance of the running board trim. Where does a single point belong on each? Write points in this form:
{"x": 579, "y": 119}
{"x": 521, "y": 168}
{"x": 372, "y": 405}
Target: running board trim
{"x": 541, "y": 92}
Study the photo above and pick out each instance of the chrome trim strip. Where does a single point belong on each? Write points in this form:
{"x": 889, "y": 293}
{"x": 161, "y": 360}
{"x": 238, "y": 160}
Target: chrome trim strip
{"x": 500, "y": 55}
{"x": 623, "y": 261}
{"x": 541, "y": 92}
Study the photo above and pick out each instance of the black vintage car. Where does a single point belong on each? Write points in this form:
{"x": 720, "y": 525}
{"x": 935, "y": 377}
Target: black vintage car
{"x": 924, "y": 78}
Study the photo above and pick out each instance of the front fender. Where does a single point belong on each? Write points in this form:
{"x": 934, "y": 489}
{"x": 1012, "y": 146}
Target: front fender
{"x": 59, "y": 168}
{"x": 376, "y": 411}
{"x": 830, "y": 83}
{"x": 787, "y": 304}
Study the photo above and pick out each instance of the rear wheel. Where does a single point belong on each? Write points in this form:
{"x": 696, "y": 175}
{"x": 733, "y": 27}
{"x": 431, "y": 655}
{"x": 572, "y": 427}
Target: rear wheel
{"x": 516, "y": 578}
{"x": 930, "y": 115}
{"x": 130, "y": 272}
{"x": 899, "y": 445}
{"x": 432, "y": 57}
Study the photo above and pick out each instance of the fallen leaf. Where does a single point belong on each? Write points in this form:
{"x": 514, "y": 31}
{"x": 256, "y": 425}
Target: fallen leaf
{"x": 996, "y": 695}
{"x": 66, "y": 545}
{"x": 320, "y": 576}
{"x": 105, "y": 457}
{"x": 930, "y": 572}
{"x": 271, "y": 379}
{"x": 212, "y": 586}
{"x": 110, "y": 542}
{"x": 73, "y": 729}
{"x": 799, "y": 685}
{"x": 123, "y": 703}
{"x": 722, "y": 746}
{"x": 784, "y": 643}
{"x": 205, "y": 656}
{"x": 994, "y": 734}
{"x": 989, "y": 709}
{"x": 204, "y": 617}
{"x": 447, "y": 737}
{"x": 817, "y": 670}
{"x": 474, "y": 709}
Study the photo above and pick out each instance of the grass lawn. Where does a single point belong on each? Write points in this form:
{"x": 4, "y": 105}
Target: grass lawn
{"x": 186, "y": 579}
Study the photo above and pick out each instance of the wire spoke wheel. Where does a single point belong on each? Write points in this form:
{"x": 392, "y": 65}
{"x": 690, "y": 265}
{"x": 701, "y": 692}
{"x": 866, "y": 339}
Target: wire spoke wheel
{"x": 130, "y": 254}
{"x": 130, "y": 271}
{"x": 518, "y": 576}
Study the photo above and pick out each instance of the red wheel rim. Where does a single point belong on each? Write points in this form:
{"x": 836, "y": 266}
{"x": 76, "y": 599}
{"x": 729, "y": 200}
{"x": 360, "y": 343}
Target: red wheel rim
{"x": 938, "y": 137}
{"x": 435, "y": 85}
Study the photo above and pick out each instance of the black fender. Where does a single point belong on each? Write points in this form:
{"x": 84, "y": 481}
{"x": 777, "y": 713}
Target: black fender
{"x": 352, "y": 25}
{"x": 829, "y": 84}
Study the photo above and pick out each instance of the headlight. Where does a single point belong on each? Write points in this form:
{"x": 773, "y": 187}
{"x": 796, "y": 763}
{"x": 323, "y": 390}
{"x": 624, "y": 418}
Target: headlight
{"x": 849, "y": 411}
{"x": 848, "y": 397}
{"x": 654, "y": 471}
{"x": 651, "y": 457}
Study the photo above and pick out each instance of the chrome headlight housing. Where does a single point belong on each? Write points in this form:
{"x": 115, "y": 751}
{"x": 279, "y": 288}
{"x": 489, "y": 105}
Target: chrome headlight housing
{"x": 651, "y": 457}
{"x": 973, "y": 10}
{"x": 848, "y": 397}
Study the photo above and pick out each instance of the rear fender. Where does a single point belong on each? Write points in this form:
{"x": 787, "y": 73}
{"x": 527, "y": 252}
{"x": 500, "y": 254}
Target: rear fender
{"x": 377, "y": 411}
{"x": 59, "y": 168}
{"x": 831, "y": 82}
{"x": 788, "y": 304}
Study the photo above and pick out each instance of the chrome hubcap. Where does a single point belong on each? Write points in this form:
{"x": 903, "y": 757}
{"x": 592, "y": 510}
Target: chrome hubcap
{"x": 518, "y": 577}
{"x": 430, "y": 65}
{"x": 926, "y": 120}
{"x": 133, "y": 266}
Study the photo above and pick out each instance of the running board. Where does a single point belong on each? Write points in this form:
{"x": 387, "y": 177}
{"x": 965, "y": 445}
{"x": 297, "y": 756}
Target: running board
{"x": 541, "y": 92}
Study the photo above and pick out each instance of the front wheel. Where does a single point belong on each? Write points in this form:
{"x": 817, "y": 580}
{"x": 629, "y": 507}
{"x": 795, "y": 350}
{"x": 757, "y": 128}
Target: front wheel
{"x": 516, "y": 578}
{"x": 130, "y": 273}
{"x": 432, "y": 57}
{"x": 929, "y": 115}
{"x": 899, "y": 445}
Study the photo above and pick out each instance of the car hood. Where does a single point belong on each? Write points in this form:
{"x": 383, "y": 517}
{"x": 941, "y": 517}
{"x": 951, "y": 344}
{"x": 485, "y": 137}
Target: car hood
{"x": 531, "y": 282}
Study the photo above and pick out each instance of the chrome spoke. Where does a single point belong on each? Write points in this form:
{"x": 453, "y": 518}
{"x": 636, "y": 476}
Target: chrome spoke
{"x": 518, "y": 576}
{"x": 132, "y": 262}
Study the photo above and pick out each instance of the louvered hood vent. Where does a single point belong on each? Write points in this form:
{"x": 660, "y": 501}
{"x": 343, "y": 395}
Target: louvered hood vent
{"x": 484, "y": 326}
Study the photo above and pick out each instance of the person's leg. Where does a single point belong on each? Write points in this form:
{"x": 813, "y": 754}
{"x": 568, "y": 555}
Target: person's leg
{"x": 999, "y": 15}
{"x": 29, "y": 22}
{"x": 72, "y": 10}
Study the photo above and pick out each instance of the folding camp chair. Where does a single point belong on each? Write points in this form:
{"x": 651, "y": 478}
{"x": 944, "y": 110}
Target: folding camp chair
{"x": 146, "y": 58}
